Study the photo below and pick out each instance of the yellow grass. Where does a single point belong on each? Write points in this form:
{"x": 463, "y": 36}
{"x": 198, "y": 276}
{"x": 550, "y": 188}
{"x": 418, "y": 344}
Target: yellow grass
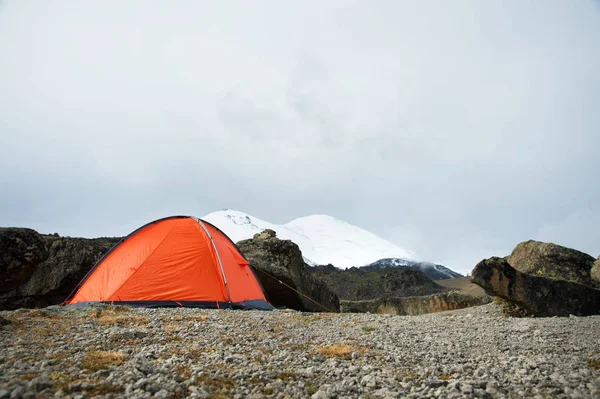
{"x": 337, "y": 350}
{"x": 123, "y": 319}
{"x": 387, "y": 309}
{"x": 98, "y": 360}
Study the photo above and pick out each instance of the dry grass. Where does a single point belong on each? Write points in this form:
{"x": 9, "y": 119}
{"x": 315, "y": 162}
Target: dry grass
{"x": 27, "y": 376}
{"x": 286, "y": 376}
{"x": 462, "y": 285}
{"x": 264, "y": 350}
{"x": 124, "y": 320}
{"x": 108, "y": 310}
{"x": 37, "y": 313}
{"x": 595, "y": 364}
{"x": 338, "y": 350}
{"x": 117, "y": 315}
{"x": 215, "y": 382}
{"x": 188, "y": 318}
{"x": 61, "y": 381}
{"x": 39, "y": 324}
{"x": 184, "y": 371}
{"x": 98, "y": 360}
{"x": 509, "y": 309}
{"x": 387, "y": 309}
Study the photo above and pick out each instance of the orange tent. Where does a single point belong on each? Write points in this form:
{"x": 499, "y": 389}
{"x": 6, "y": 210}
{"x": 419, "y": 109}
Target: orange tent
{"x": 175, "y": 261}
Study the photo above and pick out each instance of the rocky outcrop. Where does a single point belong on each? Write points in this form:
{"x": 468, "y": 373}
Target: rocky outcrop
{"x": 553, "y": 261}
{"x": 66, "y": 262}
{"x": 21, "y": 250}
{"x": 356, "y": 284}
{"x": 537, "y": 295}
{"x": 415, "y": 305}
{"x": 279, "y": 265}
{"x": 595, "y": 272}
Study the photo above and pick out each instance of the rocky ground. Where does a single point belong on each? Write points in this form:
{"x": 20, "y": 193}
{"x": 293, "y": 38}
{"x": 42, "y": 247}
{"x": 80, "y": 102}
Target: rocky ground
{"x": 170, "y": 353}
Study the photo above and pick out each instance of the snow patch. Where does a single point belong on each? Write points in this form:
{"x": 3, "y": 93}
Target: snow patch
{"x": 322, "y": 239}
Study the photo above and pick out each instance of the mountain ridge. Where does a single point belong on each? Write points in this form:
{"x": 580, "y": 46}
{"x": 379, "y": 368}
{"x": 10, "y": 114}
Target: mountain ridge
{"x": 324, "y": 240}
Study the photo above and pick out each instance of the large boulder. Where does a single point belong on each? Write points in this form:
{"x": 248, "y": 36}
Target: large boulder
{"x": 279, "y": 265}
{"x": 21, "y": 251}
{"x": 67, "y": 261}
{"x": 554, "y": 261}
{"x": 537, "y": 295}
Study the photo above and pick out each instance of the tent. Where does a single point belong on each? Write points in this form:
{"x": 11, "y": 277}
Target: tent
{"x": 175, "y": 261}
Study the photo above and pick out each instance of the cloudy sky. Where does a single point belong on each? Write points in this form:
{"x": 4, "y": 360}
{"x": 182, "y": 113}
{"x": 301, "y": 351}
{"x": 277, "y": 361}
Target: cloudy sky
{"x": 455, "y": 129}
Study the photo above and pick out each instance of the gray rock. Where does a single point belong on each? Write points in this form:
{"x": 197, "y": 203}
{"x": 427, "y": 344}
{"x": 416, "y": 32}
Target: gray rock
{"x": 553, "y": 261}
{"x": 469, "y": 353}
{"x": 162, "y": 394}
{"x": 540, "y": 296}
{"x": 40, "y": 383}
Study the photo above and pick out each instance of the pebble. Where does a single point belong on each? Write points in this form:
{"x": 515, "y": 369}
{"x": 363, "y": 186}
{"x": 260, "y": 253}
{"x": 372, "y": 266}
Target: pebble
{"x": 199, "y": 353}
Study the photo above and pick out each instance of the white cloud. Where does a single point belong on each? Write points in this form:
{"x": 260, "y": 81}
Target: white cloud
{"x": 460, "y": 129}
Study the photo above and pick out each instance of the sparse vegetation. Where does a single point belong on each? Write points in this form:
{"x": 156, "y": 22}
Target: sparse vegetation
{"x": 119, "y": 315}
{"x": 368, "y": 329}
{"x": 595, "y": 364}
{"x": 341, "y": 350}
{"x": 509, "y": 309}
{"x": 387, "y": 309}
{"x": 310, "y": 387}
{"x": 285, "y": 376}
{"x": 61, "y": 380}
{"x": 98, "y": 360}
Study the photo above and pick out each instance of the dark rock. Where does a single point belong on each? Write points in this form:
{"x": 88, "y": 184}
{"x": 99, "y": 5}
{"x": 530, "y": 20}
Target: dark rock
{"x": 355, "y": 284}
{"x": 68, "y": 260}
{"x": 434, "y": 271}
{"x": 415, "y": 305}
{"x": 4, "y": 322}
{"x": 279, "y": 264}
{"x": 553, "y": 261}
{"x": 595, "y": 272}
{"x": 539, "y": 296}
{"x": 21, "y": 251}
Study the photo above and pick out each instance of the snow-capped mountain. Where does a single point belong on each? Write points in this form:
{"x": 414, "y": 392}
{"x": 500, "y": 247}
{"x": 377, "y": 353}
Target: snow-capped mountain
{"x": 434, "y": 271}
{"x": 321, "y": 238}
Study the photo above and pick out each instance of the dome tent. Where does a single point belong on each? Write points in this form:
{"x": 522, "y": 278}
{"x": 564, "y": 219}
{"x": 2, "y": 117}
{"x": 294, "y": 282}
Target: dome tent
{"x": 175, "y": 261}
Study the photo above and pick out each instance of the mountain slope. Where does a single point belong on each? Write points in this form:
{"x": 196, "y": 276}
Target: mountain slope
{"x": 432, "y": 270}
{"x": 356, "y": 284}
{"x": 322, "y": 239}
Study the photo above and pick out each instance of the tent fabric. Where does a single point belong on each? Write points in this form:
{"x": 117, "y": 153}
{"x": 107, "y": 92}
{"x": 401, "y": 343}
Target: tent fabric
{"x": 179, "y": 260}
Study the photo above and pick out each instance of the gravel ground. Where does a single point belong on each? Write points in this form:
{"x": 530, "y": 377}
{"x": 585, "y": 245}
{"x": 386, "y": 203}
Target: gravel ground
{"x": 137, "y": 353}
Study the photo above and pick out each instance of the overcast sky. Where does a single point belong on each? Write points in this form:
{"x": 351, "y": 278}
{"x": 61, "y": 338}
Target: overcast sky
{"x": 455, "y": 129}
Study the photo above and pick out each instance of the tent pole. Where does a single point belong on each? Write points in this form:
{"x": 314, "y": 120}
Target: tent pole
{"x": 218, "y": 258}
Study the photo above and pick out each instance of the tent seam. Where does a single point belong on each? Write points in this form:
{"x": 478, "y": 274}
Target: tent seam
{"x": 218, "y": 257}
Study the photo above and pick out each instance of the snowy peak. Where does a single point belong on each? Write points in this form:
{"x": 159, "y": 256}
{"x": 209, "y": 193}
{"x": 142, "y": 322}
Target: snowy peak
{"x": 322, "y": 239}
